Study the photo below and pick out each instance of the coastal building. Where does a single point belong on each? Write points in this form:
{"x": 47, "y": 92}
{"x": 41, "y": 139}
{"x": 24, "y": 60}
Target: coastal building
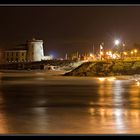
{"x": 35, "y": 50}
{"x": 15, "y": 56}
{"x": 32, "y": 51}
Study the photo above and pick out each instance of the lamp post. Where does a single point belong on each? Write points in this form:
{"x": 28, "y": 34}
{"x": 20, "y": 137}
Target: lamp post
{"x": 117, "y": 43}
{"x": 101, "y": 51}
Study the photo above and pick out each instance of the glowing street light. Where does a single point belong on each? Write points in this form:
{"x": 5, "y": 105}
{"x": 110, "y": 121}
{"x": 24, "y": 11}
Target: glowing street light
{"x": 132, "y": 52}
{"x": 117, "y": 42}
{"x": 101, "y": 53}
{"x": 135, "y": 51}
{"x": 123, "y": 45}
{"x": 114, "y": 56}
{"x": 110, "y": 53}
{"x": 125, "y": 53}
{"x": 91, "y": 55}
{"x": 101, "y": 47}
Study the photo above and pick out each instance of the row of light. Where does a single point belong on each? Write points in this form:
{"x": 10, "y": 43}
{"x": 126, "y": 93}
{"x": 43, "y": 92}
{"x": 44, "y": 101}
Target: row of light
{"x": 109, "y": 79}
{"x": 101, "y": 79}
{"x": 109, "y": 53}
{"x": 132, "y": 52}
{"x": 135, "y": 51}
{"x": 125, "y": 53}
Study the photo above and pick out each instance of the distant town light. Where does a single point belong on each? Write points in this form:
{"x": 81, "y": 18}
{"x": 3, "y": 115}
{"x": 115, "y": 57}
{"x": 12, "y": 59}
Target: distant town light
{"x": 114, "y": 56}
{"x": 135, "y": 51}
{"x": 132, "y": 52}
{"x": 125, "y": 53}
{"x": 107, "y": 53}
{"x": 101, "y": 53}
{"x": 101, "y": 47}
{"x": 51, "y": 56}
{"x": 110, "y": 52}
{"x": 91, "y": 55}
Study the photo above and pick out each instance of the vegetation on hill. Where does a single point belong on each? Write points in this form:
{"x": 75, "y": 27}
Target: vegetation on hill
{"x": 106, "y": 68}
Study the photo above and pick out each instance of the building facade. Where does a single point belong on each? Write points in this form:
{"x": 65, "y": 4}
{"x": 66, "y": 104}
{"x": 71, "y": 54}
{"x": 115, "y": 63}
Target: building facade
{"x": 15, "y": 56}
{"x": 35, "y": 50}
{"x": 31, "y": 53}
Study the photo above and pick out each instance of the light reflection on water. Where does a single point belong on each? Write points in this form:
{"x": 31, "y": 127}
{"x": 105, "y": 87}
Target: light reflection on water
{"x": 69, "y": 105}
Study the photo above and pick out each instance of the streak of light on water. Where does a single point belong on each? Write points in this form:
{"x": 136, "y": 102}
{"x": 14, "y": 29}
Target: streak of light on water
{"x": 40, "y": 103}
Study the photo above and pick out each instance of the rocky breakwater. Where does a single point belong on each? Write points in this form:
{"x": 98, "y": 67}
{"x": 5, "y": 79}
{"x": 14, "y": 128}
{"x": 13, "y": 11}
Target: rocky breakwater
{"x": 106, "y": 68}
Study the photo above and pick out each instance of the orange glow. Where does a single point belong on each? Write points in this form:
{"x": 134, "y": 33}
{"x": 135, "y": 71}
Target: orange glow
{"x": 138, "y": 84}
{"x": 91, "y": 55}
{"x": 101, "y": 53}
{"x": 111, "y": 78}
{"x": 132, "y": 52}
{"x": 125, "y": 53}
{"x": 135, "y": 51}
{"x": 101, "y": 79}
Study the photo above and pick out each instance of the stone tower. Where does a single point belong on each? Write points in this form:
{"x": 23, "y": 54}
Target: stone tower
{"x": 35, "y": 50}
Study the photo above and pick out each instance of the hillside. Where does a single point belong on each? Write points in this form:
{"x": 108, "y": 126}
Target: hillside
{"x": 106, "y": 68}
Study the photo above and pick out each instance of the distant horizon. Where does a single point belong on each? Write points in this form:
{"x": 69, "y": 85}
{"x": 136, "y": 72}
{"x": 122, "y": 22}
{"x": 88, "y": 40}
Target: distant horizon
{"x": 56, "y": 54}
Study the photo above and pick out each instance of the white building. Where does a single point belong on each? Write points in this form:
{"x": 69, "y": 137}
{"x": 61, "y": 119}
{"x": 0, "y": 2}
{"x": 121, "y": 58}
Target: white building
{"x": 33, "y": 52}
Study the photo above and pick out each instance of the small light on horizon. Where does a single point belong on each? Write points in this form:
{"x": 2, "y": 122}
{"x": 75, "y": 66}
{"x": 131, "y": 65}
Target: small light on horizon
{"x": 91, "y": 55}
{"x": 52, "y": 56}
{"x": 131, "y": 52}
{"x": 125, "y": 53}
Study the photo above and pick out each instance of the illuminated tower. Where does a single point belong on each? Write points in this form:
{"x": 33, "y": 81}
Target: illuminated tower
{"x": 35, "y": 50}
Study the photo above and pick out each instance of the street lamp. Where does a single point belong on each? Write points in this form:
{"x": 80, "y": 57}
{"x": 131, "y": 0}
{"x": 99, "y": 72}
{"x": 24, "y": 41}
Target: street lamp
{"x": 117, "y": 42}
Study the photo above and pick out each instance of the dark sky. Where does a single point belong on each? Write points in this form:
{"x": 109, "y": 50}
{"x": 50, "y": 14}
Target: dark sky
{"x": 68, "y": 29}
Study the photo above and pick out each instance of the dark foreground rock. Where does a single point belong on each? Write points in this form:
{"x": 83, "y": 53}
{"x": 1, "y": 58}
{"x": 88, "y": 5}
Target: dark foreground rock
{"x": 106, "y": 68}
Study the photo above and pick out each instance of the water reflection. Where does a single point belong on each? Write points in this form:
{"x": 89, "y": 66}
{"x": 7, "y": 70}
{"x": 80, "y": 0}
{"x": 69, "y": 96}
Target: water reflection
{"x": 117, "y": 120}
{"x": 102, "y": 79}
{"x": 138, "y": 84}
{"x": 118, "y": 92}
{"x": 77, "y": 105}
{"x": 3, "y": 124}
{"x": 105, "y": 93}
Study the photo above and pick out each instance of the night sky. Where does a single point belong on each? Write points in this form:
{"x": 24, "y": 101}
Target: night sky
{"x": 69, "y": 29}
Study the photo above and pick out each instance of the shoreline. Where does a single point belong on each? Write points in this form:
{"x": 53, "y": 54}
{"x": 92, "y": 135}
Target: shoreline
{"x": 61, "y": 73}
